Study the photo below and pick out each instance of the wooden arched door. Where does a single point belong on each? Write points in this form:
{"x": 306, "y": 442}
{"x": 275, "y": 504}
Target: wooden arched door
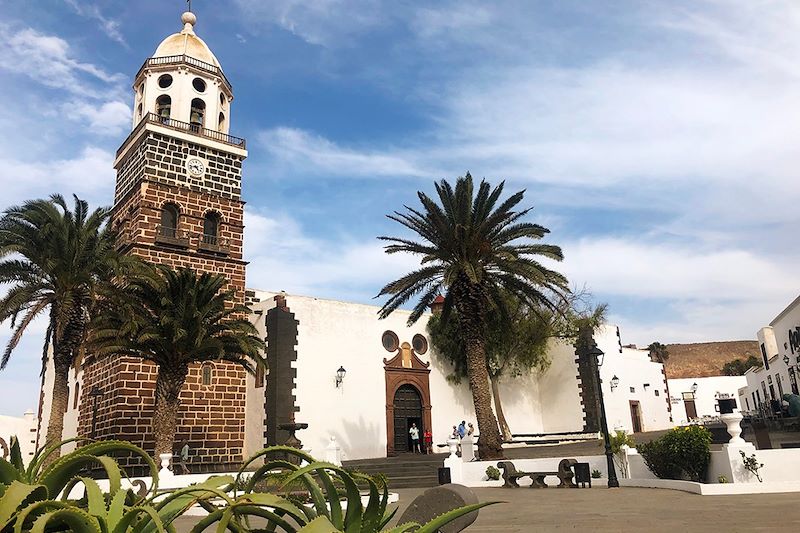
{"x": 407, "y": 411}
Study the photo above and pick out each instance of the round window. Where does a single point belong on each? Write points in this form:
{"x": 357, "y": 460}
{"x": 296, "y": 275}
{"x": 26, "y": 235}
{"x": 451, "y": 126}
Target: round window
{"x": 420, "y": 344}
{"x": 390, "y": 341}
{"x": 199, "y": 85}
{"x": 165, "y": 81}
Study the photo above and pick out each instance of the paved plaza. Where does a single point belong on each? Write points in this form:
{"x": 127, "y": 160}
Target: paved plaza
{"x": 624, "y": 509}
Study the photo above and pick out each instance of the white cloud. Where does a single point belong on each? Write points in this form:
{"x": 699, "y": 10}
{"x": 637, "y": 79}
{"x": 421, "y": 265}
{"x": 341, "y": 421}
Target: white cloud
{"x": 48, "y": 60}
{"x": 283, "y": 257}
{"x": 322, "y": 22}
{"x": 108, "y": 26}
{"x": 109, "y": 118}
{"x": 305, "y": 152}
{"x": 90, "y": 175}
{"x": 704, "y": 294}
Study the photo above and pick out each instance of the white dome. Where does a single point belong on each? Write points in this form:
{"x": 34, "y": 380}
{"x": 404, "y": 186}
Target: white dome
{"x": 187, "y": 43}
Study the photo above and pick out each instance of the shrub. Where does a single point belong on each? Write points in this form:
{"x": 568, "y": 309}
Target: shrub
{"x": 596, "y": 474}
{"x": 493, "y": 473}
{"x": 682, "y": 453}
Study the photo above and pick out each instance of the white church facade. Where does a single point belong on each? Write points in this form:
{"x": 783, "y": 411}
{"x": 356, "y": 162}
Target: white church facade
{"x": 333, "y": 365}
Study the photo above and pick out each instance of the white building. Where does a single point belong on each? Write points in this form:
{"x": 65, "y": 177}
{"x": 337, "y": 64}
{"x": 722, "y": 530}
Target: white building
{"x": 24, "y": 428}
{"x": 634, "y": 387}
{"x": 780, "y": 353}
{"x": 387, "y": 363}
{"x": 696, "y": 398}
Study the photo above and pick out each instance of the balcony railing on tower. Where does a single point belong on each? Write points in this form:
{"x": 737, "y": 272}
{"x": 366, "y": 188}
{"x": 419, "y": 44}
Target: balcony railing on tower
{"x": 177, "y": 125}
{"x": 186, "y": 60}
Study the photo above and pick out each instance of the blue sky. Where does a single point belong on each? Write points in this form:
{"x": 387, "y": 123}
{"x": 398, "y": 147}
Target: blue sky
{"x": 657, "y": 140}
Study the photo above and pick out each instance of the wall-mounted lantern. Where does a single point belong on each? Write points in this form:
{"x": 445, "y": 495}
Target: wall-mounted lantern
{"x": 786, "y": 359}
{"x": 340, "y": 374}
{"x": 614, "y": 382}
{"x": 694, "y": 387}
{"x": 598, "y": 354}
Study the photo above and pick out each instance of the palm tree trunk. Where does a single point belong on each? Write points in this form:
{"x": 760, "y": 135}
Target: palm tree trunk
{"x": 501, "y": 417}
{"x": 168, "y": 389}
{"x": 472, "y": 324}
{"x": 58, "y": 406}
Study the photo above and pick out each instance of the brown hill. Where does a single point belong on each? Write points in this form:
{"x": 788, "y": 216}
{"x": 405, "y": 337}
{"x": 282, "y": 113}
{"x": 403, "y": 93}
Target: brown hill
{"x": 706, "y": 359}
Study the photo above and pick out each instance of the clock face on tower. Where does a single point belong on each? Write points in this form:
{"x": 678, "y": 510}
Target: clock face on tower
{"x": 196, "y": 167}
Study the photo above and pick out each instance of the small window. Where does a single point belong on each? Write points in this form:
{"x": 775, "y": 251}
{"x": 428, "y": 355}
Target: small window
{"x": 169, "y": 220}
{"x": 207, "y": 374}
{"x": 222, "y": 99}
{"x": 164, "y": 106}
{"x": 141, "y": 89}
{"x": 390, "y": 341}
{"x": 633, "y": 389}
{"x": 211, "y": 228}
{"x": 77, "y": 395}
{"x": 221, "y": 122}
{"x": 165, "y": 81}
{"x": 259, "y": 376}
{"x": 420, "y": 344}
{"x": 657, "y": 393}
{"x": 198, "y": 113}
{"x": 139, "y": 112}
{"x": 199, "y": 85}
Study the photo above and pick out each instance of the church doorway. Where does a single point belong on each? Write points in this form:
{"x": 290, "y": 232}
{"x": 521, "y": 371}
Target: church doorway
{"x": 408, "y": 394}
{"x": 407, "y": 411}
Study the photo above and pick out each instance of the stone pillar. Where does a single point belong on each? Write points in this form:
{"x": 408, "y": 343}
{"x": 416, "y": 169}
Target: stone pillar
{"x": 467, "y": 449}
{"x": 333, "y": 452}
{"x": 454, "y": 462}
{"x": 280, "y": 405}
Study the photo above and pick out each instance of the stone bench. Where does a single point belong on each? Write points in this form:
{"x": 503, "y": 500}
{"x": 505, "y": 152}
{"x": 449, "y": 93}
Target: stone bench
{"x": 564, "y": 474}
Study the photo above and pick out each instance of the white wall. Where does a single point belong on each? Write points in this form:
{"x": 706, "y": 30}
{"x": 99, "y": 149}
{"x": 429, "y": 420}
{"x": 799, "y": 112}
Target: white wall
{"x": 24, "y": 428}
{"x": 333, "y": 334}
{"x": 561, "y": 408}
{"x": 634, "y": 369}
{"x": 71, "y": 415}
{"x": 709, "y": 389}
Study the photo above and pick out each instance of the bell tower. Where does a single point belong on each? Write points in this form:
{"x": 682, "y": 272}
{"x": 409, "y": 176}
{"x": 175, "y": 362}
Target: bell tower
{"x": 178, "y": 202}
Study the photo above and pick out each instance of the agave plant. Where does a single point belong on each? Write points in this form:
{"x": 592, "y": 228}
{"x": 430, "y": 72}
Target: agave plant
{"x": 335, "y": 500}
{"x": 37, "y": 499}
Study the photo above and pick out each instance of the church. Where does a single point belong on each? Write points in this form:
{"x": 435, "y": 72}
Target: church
{"x": 332, "y": 365}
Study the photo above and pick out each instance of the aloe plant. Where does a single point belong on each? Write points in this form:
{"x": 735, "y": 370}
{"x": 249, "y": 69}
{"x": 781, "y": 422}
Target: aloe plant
{"x": 36, "y": 499}
{"x": 335, "y": 506}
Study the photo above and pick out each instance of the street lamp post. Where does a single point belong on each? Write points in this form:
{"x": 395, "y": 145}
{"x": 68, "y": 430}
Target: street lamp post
{"x": 95, "y": 394}
{"x": 598, "y": 354}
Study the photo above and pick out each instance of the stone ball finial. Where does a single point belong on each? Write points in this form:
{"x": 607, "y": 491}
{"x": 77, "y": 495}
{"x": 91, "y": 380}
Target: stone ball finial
{"x": 189, "y": 18}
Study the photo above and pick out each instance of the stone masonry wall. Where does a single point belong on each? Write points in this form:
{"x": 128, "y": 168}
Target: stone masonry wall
{"x": 162, "y": 158}
{"x": 211, "y": 418}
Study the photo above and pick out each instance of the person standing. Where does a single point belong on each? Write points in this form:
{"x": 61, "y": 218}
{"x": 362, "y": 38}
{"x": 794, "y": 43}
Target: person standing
{"x": 428, "y": 441}
{"x": 462, "y": 429}
{"x": 414, "y": 432}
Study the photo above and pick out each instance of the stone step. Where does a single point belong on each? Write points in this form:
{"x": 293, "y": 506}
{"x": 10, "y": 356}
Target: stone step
{"x": 408, "y": 471}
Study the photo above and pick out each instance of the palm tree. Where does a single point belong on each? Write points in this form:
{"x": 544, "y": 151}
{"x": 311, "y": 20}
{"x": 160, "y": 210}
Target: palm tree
{"x": 471, "y": 250}
{"x": 54, "y": 261}
{"x": 658, "y": 352}
{"x": 175, "y": 319}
